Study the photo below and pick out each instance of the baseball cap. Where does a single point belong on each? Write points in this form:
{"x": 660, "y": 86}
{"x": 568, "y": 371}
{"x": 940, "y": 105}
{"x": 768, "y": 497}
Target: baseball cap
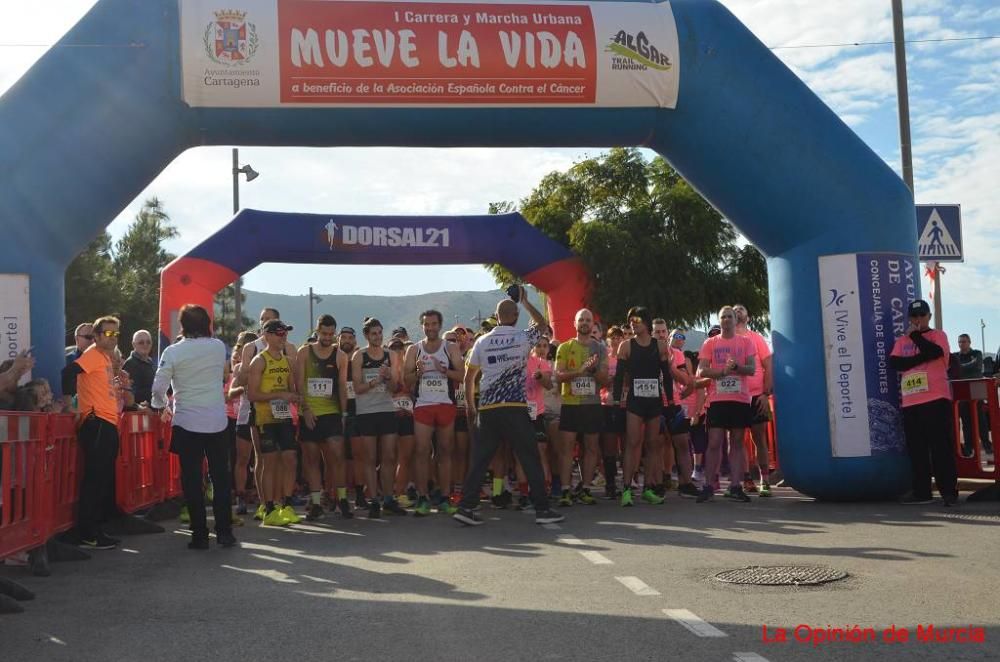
{"x": 919, "y": 307}
{"x": 714, "y": 331}
{"x": 348, "y": 329}
{"x": 273, "y": 326}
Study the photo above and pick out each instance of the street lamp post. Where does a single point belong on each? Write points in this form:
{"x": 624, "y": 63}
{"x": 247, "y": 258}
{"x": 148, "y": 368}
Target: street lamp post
{"x": 313, "y": 298}
{"x": 251, "y": 175}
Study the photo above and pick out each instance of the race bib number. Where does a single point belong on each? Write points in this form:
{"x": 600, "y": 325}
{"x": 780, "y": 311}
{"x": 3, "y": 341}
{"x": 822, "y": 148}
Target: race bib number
{"x": 533, "y": 410}
{"x": 729, "y": 384}
{"x": 434, "y": 385}
{"x": 460, "y": 396}
{"x": 370, "y": 375}
{"x": 404, "y": 405}
{"x": 915, "y": 382}
{"x": 280, "y": 409}
{"x": 319, "y": 388}
{"x": 583, "y": 386}
{"x": 646, "y": 388}
{"x": 350, "y": 390}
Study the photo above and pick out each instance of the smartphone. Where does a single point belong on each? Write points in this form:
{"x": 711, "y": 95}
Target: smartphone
{"x": 514, "y": 292}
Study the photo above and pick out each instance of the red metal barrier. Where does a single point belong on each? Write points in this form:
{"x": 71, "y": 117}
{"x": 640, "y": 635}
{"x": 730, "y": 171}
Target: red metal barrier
{"x": 136, "y": 486}
{"x": 975, "y": 392}
{"x": 24, "y": 522}
{"x": 64, "y": 466}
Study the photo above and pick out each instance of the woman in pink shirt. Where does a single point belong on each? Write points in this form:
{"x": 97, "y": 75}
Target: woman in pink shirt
{"x": 538, "y": 379}
{"x": 921, "y": 357}
{"x": 728, "y": 360}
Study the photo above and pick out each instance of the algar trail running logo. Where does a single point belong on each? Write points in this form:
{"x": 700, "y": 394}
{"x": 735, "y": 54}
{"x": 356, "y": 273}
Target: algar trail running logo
{"x": 230, "y": 40}
{"x": 637, "y": 49}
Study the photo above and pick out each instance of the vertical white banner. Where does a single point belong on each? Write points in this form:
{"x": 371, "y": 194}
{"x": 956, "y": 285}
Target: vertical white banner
{"x": 843, "y": 350}
{"x": 15, "y": 318}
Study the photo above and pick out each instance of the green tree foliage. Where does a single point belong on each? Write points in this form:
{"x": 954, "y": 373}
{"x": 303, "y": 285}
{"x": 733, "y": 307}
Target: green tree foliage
{"x": 91, "y": 290}
{"x": 225, "y": 314}
{"x": 647, "y": 238}
{"x": 123, "y": 280}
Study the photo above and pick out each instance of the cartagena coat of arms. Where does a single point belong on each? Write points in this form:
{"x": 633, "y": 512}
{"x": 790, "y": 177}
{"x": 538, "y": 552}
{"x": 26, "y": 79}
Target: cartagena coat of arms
{"x": 230, "y": 39}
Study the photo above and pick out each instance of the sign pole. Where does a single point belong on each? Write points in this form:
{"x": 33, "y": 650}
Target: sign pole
{"x": 906, "y": 153}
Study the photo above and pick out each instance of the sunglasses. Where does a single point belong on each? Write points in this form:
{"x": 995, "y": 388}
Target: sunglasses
{"x": 280, "y": 334}
{"x": 86, "y": 336}
{"x": 919, "y": 314}
{"x": 111, "y": 334}
{"x": 636, "y": 320}
{"x": 680, "y": 336}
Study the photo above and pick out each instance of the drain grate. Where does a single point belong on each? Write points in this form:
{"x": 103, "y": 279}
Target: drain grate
{"x": 781, "y": 575}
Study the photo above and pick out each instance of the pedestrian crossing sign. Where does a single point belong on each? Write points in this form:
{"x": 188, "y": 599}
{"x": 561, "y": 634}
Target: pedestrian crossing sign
{"x": 939, "y": 233}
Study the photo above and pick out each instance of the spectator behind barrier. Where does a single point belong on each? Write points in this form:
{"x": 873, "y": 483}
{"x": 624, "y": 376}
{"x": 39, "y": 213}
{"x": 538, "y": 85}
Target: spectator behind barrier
{"x": 11, "y": 372}
{"x": 84, "y": 337}
{"x": 36, "y": 396}
{"x": 967, "y": 363}
{"x": 139, "y": 366}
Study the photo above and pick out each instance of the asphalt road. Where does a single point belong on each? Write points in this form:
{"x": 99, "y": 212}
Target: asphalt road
{"x": 609, "y": 583}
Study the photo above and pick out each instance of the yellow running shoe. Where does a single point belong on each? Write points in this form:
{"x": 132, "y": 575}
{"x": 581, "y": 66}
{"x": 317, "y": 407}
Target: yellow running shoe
{"x": 288, "y": 514}
{"x": 274, "y": 518}
{"x": 404, "y": 501}
{"x": 261, "y": 511}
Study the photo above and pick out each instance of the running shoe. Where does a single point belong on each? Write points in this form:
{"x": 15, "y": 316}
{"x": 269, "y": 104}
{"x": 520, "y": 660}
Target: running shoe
{"x": 706, "y": 494}
{"x": 446, "y": 507}
{"x": 651, "y": 497}
{"x": 548, "y": 516}
{"x": 261, "y": 512}
{"x": 345, "y": 509}
{"x": 374, "y": 509}
{"x": 498, "y": 501}
{"x": 237, "y": 520}
{"x": 185, "y": 515}
{"x": 765, "y": 489}
{"x": 586, "y": 498}
{"x": 392, "y": 507}
{"x": 411, "y": 494}
{"x": 467, "y": 517}
{"x": 289, "y": 515}
{"x": 566, "y": 500}
{"x": 749, "y": 487}
{"x": 241, "y": 506}
{"x": 455, "y": 498}
{"x": 423, "y": 508}
{"x": 950, "y": 500}
{"x": 688, "y": 491}
{"x": 198, "y": 543}
{"x": 361, "y": 503}
{"x": 610, "y": 492}
{"x": 406, "y": 502}
{"x": 698, "y": 475}
{"x": 627, "y": 497}
{"x": 736, "y": 493}
{"x": 274, "y": 518}
{"x": 523, "y": 502}
{"x": 100, "y": 541}
{"x": 315, "y": 512}
{"x": 225, "y": 539}
{"x": 912, "y": 499}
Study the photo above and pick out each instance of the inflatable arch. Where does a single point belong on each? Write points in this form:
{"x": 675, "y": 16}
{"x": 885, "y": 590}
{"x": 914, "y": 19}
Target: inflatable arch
{"x": 86, "y": 129}
{"x": 322, "y": 239}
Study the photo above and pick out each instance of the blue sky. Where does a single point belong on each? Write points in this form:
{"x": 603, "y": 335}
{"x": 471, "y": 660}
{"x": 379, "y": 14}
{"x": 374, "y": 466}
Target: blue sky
{"x": 954, "y": 109}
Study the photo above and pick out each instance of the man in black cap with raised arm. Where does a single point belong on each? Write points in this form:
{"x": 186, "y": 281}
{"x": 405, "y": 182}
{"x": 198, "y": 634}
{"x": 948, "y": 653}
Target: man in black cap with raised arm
{"x": 921, "y": 357}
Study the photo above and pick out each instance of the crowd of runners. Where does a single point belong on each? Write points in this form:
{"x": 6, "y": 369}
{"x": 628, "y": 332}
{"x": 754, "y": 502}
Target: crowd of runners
{"x": 360, "y": 420}
{"x": 386, "y": 425}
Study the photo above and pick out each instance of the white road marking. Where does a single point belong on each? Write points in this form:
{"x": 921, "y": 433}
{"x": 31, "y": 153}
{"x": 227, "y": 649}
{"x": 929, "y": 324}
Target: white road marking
{"x": 551, "y": 527}
{"x": 748, "y": 657}
{"x": 596, "y": 558}
{"x": 637, "y": 586}
{"x": 275, "y": 559}
{"x": 569, "y": 539}
{"x": 693, "y": 623}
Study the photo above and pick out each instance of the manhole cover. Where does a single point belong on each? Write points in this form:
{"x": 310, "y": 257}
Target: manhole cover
{"x": 781, "y": 575}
